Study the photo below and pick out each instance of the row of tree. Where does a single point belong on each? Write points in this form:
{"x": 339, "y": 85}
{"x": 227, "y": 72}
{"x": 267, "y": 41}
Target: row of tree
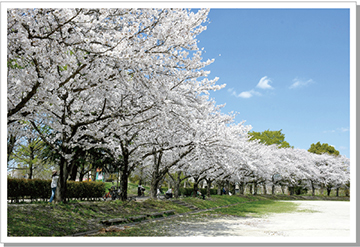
{"x": 127, "y": 89}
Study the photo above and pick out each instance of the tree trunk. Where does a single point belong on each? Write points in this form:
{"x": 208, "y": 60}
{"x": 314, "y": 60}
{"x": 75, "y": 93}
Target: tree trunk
{"x": 312, "y": 188}
{"x": 337, "y": 191}
{"x": 93, "y": 173}
{"x": 291, "y": 190}
{"x": 176, "y": 181}
{"x": 73, "y": 173}
{"x": 10, "y": 146}
{"x": 124, "y": 176}
{"x": 328, "y": 190}
{"x": 219, "y": 191}
{"x": 32, "y": 157}
{"x": 264, "y": 188}
{"x": 196, "y": 187}
{"x": 251, "y": 189}
{"x": 255, "y": 188}
{"x": 81, "y": 174}
{"x": 233, "y": 189}
{"x": 241, "y": 188}
{"x": 273, "y": 189}
{"x": 321, "y": 189}
{"x": 156, "y": 176}
{"x": 208, "y": 187}
{"x": 124, "y": 184}
{"x": 154, "y": 184}
{"x": 60, "y": 194}
{"x": 283, "y": 189}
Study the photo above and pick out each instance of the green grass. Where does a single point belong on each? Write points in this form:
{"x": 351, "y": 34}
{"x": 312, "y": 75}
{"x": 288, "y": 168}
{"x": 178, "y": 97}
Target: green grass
{"x": 66, "y": 219}
{"x": 258, "y": 208}
{"x": 217, "y": 201}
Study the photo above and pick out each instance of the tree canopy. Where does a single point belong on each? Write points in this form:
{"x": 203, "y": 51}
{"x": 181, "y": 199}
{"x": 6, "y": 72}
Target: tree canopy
{"x": 319, "y": 148}
{"x": 270, "y": 137}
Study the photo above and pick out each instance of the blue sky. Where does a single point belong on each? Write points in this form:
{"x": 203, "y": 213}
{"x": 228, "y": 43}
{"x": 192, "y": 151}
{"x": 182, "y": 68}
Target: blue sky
{"x": 284, "y": 69}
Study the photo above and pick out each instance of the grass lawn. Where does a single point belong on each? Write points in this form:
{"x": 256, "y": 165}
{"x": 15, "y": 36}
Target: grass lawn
{"x": 44, "y": 219}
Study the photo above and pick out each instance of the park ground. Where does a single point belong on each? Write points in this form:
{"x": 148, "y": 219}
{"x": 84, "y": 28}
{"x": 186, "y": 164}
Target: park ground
{"x": 227, "y": 215}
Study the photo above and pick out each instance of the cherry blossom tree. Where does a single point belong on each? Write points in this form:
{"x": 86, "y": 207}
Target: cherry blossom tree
{"x": 67, "y": 68}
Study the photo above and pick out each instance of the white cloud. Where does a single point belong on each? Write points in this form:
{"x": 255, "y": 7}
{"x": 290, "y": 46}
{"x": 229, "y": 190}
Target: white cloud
{"x": 248, "y": 94}
{"x": 245, "y": 95}
{"x": 300, "y": 83}
{"x": 342, "y": 129}
{"x": 264, "y": 83}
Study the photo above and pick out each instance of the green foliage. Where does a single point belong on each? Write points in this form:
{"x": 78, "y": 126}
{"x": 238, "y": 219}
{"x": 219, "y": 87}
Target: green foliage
{"x": 270, "y": 137}
{"x": 13, "y": 64}
{"x": 134, "y": 179}
{"x": 319, "y": 148}
{"x": 85, "y": 189}
{"x": 33, "y": 188}
{"x": 41, "y": 189}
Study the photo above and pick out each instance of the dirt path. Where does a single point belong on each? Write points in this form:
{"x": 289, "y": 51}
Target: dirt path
{"x": 314, "y": 219}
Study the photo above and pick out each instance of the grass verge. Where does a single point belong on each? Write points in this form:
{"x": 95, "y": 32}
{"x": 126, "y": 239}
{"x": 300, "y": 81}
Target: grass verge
{"x": 44, "y": 219}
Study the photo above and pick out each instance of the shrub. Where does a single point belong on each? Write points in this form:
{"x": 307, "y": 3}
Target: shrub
{"x": 40, "y": 189}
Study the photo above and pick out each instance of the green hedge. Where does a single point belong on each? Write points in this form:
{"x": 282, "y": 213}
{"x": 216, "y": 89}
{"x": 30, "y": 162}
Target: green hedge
{"x": 41, "y": 189}
{"x": 86, "y": 189}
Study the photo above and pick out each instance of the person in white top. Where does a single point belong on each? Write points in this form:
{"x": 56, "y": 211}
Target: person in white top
{"x": 169, "y": 193}
{"x": 54, "y": 181}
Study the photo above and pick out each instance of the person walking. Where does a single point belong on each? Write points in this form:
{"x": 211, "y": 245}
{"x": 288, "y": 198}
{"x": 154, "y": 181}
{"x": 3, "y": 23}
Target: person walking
{"x": 54, "y": 181}
{"x": 168, "y": 193}
{"x": 140, "y": 189}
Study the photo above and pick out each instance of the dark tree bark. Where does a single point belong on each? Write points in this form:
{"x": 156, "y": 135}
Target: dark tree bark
{"x": 242, "y": 188}
{"x": 177, "y": 181}
{"x": 219, "y": 189}
{"x": 328, "y": 190}
{"x": 208, "y": 184}
{"x": 197, "y": 180}
{"x": 264, "y": 188}
{"x": 291, "y": 190}
{"x": 10, "y": 146}
{"x": 312, "y": 188}
{"x": 32, "y": 157}
{"x": 60, "y": 194}
{"x": 124, "y": 175}
{"x": 251, "y": 188}
{"x": 73, "y": 173}
{"x": 273, "y": 189}
{"x": 255, "y": 188}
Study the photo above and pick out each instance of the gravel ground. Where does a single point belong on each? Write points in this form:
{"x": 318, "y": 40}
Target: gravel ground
{"x": 313, "y": 219}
